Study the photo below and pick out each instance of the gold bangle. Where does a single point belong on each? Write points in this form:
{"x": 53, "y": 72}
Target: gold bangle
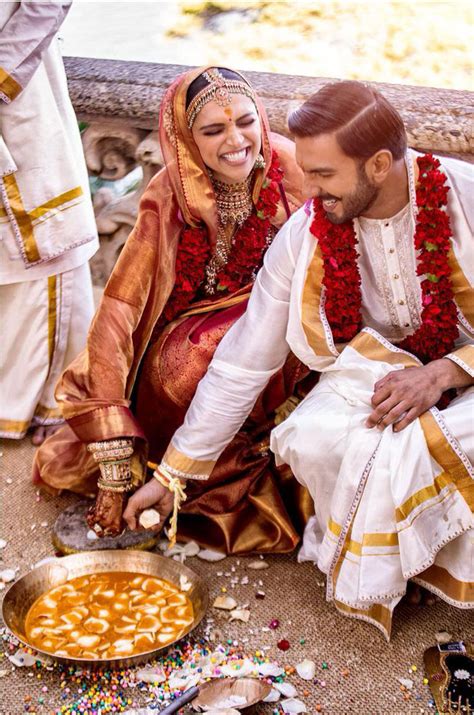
{"x": 114, "y": 486}
{"x": 177, "y": 488}
{"x": 111, "y": 450}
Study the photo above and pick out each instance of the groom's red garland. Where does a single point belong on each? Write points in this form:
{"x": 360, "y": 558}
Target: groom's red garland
{"x": 246, "y": 256}
{"x": 438, "y": 330}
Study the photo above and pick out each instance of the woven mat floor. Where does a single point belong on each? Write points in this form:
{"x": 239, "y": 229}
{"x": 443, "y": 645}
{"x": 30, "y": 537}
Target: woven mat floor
{"x": 363, "y": 670}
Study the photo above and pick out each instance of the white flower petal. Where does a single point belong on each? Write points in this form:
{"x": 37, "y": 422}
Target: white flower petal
{"x": 292, "y": 705}
{"x": 306, "y": 669}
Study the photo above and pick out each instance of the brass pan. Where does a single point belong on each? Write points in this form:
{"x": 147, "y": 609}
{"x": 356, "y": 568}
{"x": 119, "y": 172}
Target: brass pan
{"x": 23, "y": 593}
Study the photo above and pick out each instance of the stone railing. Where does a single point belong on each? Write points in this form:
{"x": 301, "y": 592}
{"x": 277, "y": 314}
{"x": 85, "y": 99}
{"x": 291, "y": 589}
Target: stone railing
{"x": 120, "y": 103}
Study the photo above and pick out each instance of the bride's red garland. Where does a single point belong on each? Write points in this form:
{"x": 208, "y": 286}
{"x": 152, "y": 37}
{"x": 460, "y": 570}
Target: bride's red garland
{"x": 246, "y": 256}
{"x": 438, "y": 330}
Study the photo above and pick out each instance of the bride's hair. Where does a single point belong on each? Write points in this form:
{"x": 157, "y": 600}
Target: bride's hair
{"x": 201, "y": 83}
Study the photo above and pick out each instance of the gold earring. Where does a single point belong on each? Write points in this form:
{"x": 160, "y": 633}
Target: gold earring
{"x": 259, "y": 162}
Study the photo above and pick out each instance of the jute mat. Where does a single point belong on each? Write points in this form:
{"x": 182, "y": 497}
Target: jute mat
{"x": 362, "y": 669}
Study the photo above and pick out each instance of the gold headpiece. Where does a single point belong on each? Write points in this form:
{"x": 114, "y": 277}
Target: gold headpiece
{"x": 218, "y": 90}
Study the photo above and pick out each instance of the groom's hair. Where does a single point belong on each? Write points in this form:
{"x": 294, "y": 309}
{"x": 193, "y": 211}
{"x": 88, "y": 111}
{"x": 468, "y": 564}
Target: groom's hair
{"x": 361, "y": 118}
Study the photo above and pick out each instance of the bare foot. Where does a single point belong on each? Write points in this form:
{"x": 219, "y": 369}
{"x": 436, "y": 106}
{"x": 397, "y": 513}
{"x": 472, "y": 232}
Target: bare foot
{"x": 419, "y": 596}
{"x": 43, "y": 432}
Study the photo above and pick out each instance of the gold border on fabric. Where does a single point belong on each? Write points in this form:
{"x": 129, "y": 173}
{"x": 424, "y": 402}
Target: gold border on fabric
{"x": 13, "y": 426}
{"x": 52, "y": 317}
{"x": 370, "y": 540}
{"x": 440, "y": 579}
{"x": 8, "y": 85}
{"x": 367, "y": 345}
{"x": 462, "y": 289}
{"x": 378, "y": 614}
{"x": 56, "y": 202}
{"x": 179, "y": 462}
{"x": 311, "y": 306}
{"x": 465, "y": 355}
{"x": 22, "y": 218}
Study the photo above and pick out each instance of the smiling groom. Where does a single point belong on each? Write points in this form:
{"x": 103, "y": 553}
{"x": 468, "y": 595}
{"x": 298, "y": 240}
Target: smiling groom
{"x": 370, "y": 284}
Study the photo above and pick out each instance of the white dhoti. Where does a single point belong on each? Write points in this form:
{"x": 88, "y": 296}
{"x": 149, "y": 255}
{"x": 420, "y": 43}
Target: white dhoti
{"x": 388, "y": 506}
{"x": 44, "y": 328}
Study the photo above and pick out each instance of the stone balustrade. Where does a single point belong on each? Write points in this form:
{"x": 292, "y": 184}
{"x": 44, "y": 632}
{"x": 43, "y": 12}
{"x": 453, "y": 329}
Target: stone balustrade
{"x": 120, "y": 103}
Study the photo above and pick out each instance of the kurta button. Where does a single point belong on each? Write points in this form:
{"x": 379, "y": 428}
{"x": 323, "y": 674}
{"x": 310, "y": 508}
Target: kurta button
{"x": 401, "y": 302}
{"x": 391, "y": 250}
{"x": 407, "y": 325}
{"x": 387, "y": 224}
{"x": 396, "y": 276}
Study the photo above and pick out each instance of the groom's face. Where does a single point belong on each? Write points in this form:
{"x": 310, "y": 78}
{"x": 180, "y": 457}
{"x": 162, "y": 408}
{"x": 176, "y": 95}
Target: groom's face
{"x": 338, "y": 180}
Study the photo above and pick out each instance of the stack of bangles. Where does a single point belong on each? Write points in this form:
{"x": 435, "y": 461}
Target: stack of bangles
{"x": 113, "y": 458}
{"x": 177, "y": 488}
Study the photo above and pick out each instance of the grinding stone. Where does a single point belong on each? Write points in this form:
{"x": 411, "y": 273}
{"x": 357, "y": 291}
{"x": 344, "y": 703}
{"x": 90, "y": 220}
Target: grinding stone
{"x": 70, "y": 534}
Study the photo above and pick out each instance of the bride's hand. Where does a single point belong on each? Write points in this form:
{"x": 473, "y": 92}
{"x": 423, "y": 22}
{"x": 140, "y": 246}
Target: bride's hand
{"x": 107, "y": 513}
{"x": 152, "y": 494}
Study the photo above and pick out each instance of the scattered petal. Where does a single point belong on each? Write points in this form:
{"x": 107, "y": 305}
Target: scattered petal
{"x": 149, "y": 518}
{"x": 258, "y": 565}
{"x": 286, "y": 689}
{"x": 22, "y": 659}
{"x": 225, "y": 603}
{"x": 270, "y": 669}
{"x": 292, "y": 705}
{"x": 239, "y": 614}
{"x": 209, "y": 555}
{"x": 443, "y": 637}
{"x": 7, "y": 575}
{"x": 238, "y": 668}
{"x": 3, "y": 543}
{"x": 91, "y": 535}
{"x": 306, "y": 669}
{"x": 192, "y": 549}
{"x": 406, "y": 682}
{"x": 272, "y": 697}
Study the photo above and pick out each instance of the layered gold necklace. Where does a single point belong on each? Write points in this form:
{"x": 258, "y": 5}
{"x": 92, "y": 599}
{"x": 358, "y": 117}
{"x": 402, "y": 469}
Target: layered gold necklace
{"x": 234, "y": 206}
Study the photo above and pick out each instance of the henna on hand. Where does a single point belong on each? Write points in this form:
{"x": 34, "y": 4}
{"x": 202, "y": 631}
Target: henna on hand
{"x": 107, "y": 513}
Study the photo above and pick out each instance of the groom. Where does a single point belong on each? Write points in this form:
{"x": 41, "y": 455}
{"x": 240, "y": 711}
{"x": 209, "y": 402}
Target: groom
{"x": 370, "y": 284}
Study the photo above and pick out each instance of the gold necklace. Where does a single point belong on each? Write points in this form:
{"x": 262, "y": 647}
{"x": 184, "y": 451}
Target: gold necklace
{"x": 234, "y": 206}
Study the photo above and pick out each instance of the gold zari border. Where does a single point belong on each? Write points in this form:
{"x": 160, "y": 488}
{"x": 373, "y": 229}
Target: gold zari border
{"x": 311, "y": 306}
{"x": 182, "y": 464}
{"x": 441, "y": 580}
{"x": 9, "y": 86}
{"x": 22, "y": 218}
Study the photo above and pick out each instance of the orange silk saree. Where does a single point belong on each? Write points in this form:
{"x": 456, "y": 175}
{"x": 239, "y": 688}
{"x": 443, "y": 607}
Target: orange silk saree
{"x": 135, "y": 380}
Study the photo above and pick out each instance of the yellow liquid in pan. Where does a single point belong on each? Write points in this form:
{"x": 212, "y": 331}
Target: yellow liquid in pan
{"x": 108, "y": 615}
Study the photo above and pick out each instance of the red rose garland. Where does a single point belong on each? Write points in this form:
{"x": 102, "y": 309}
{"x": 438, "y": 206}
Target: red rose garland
{"x": 438, "y": 330}
{"x": 246, "y": 255}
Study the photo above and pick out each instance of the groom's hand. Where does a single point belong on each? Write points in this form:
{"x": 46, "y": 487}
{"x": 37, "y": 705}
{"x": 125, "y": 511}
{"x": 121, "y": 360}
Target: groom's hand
{"x": 403, "y": 395}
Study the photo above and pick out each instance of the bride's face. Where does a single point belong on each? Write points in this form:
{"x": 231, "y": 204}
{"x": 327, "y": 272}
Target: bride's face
{"x": 229, "y": 138}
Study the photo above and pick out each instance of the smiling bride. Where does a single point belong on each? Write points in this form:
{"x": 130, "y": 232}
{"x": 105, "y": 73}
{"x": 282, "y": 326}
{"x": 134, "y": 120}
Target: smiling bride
{"x": 182, "y": 280}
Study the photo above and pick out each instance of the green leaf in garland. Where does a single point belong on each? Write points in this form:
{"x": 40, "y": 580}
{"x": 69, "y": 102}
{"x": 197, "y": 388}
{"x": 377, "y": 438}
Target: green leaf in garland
{"x": 430, "y": 246}
{"x": 432, "y": 278}
{"x": 260, "y": 214}
{"x": 221, "y": 287}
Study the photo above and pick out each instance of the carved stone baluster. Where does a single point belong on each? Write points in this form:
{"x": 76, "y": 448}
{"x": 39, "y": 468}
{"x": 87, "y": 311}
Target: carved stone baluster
{"x": 112, "y": 151}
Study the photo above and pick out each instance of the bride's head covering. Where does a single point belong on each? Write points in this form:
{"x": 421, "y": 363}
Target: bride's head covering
{"x": 187, "y": 172}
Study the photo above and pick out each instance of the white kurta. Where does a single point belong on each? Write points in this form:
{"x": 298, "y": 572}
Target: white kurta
{"x": 47, "y": 225}
{"x": 385, "y": 510}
